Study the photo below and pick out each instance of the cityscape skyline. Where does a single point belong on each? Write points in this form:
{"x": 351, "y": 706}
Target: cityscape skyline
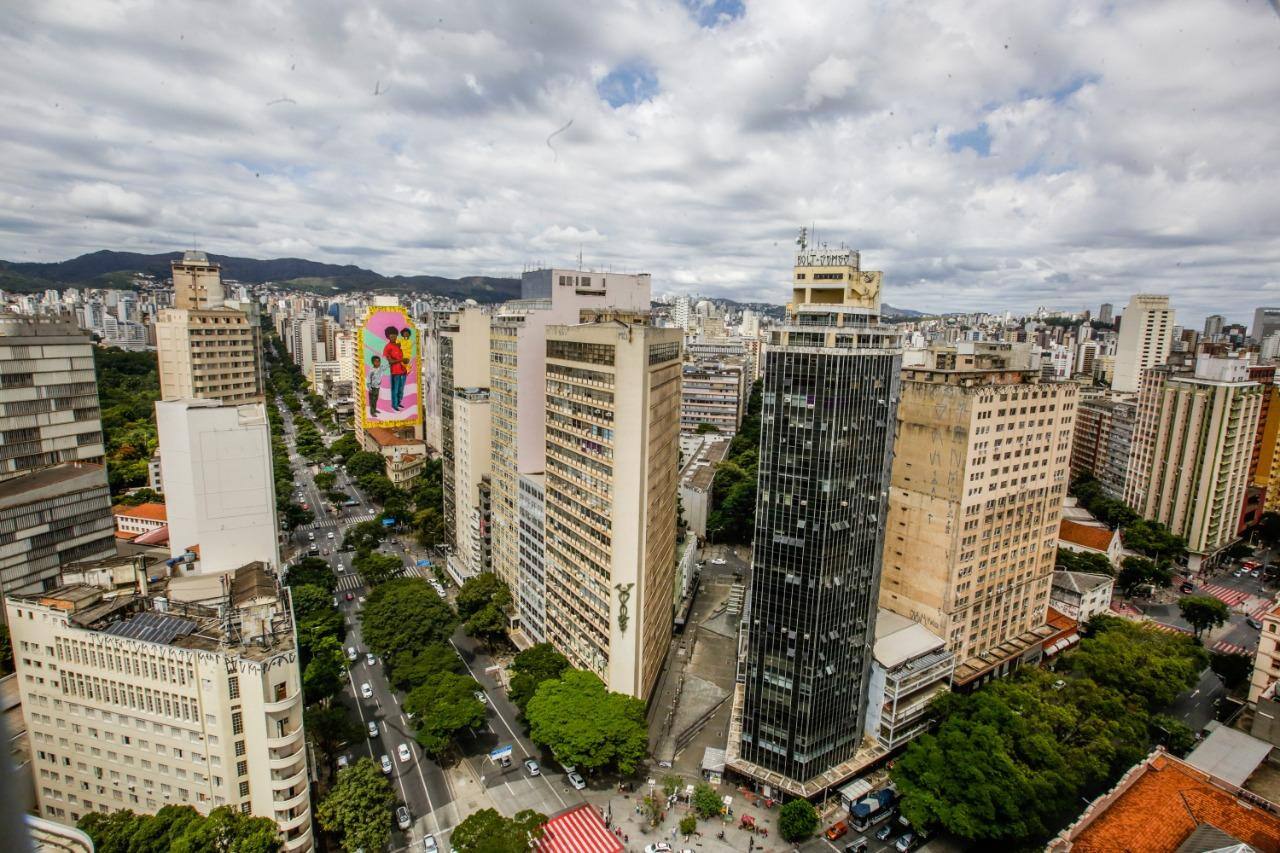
{"x": 1000, "y": 170}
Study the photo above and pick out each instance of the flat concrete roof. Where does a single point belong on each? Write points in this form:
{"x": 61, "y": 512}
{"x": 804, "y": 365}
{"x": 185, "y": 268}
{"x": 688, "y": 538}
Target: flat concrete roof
{"x": 1230, "y": 755}
{"x": 899, "y": 639}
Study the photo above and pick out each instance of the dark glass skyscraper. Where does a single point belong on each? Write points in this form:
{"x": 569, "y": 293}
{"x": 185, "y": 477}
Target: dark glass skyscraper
{"x": 826, "y": 446}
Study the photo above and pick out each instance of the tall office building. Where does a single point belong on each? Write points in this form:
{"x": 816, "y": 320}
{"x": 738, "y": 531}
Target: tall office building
{"x": 979, "y": 474}
{"x": 1213, "y": 325}
{"x": 612, "y": 402}
{"x": 531, "y": 582}
{"x": 1192, "y": 451}
{"x": 464, "y": 364}
{"x": 1146, "y": 337}
{"x": 1106, "y": 314}
{"x": 826, "y": 446}
{"x": 218, "y": 482}
{"x": 473, "y": 460}
{"x": 136, "y": 699}
{"x": 55, "y": 506}
{"x": 517, "y": 390}
{"x": 1266, "y": 321}
{"x": 204, "y": 349}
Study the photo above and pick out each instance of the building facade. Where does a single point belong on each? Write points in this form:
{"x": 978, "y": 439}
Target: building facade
{"x": 712, "y": 394}
{"x": 531, "y": 592}
{"x": 136, "y": 701}
{"x": 826, "y": 446}
{"x": 220, "y": 491}
{"x": 978, "y": 481}
{"x": 464, "y": 363}
{"x": 612, "y": 405}
{"x": 1146, "y": 336}
{"x": 912, "y": 666}
{"x": 473, "y": 456}
{"x": 1103, "y": 440}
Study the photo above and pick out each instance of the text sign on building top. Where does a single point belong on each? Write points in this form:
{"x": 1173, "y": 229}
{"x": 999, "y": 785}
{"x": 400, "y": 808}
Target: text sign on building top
{"x": 827, "y": 258}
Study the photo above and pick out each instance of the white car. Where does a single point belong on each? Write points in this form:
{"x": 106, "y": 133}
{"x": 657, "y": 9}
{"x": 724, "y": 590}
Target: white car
{"x": 366, "y": 691}
{"x": 579, "y": 783}
{"x": 403, "y": 751}
{"x": 386, "y": 765}
{"x": 330, "y": 534}
{"x": 532, "y": 767}
{"x": 429, "y": 844}
{"x": 369, "y": 658}
{"x": 718, "y": 561}
{"x": 351, "y": 653}
{"x": 402, "y": 818}
{"x": 479, "y": 694}
{"x": 341, "y": 568}
{"x": 659, "y": 847}
{"x": 373, "y": 728}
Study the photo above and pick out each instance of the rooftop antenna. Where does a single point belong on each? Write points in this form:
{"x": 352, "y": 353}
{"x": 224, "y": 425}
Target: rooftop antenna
{"x": 579, "y": 257}
{"x": 803, "y": 240}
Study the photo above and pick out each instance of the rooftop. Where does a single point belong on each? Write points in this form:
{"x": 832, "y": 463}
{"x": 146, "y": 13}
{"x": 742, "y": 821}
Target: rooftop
{"x": 578, "y": 830}
{"x": 149, "y": 511}
{"x": 1081, "y": 582}
{"x": 1229, "y": 754}
{"x": 899, "y": 639}
{"x": 1085, "y": 535}
{"x": 58, "y": 475}
{"x": 388, "y": 438}
{"x": 1160, "y": 803}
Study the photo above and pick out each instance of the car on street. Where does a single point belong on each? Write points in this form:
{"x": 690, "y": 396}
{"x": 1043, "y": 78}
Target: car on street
{"x": 343, "y": 761}
{"x": 904, "y": 843}
{"x": 366, "y": 691}
{"x": 330, "y": 534}
{"x": 335, "y": 601}
{"x": 386, "y": 764}
{"x": 360, "y": 600}
{"x": 1253, "y": 623}
{"x": 369, "y": 658}
{"x": 718, "y": 561}
{"x": 373, "y": 728}
{"x": 837, "y": 830}
{"x": 429, "y": 844}
{"x": 350, "y": 597}
{"x": 1059, "y": 684}
{"x": 576, "y": 780}
{"x": 505, "y": 761}
{"x": 341, "y": 568}
{"x": 532, "y": 767}
{"x": 351, "y": 653}
{"x": 480, "y": 697}
{"x": 858, "y": 845}
{"x": 403, "y": 751}
{"x": 658, "y": 847}
{"x": 402, "y": 818}
{"x": 311, "y": 534}
{"x": 885, "y": 832}
{"x": 1187, "y": 587}
{"x": 1237, "y": 573}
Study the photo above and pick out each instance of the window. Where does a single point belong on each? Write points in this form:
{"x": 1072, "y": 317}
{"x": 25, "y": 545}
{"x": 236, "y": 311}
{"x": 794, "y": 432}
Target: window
{"x": 233, "y": 686}
{"x": 242, "y": 768}
{"x": 239, "y": 747}
{"x": 244, "y": 790}
{"x": 237, "y": 723}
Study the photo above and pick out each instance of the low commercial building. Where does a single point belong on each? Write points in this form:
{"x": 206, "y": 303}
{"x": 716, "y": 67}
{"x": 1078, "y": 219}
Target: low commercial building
{"x": 1266, "y": 663}
{"x": 133, "y": 521}
{"x": 702, "y": 455}
{"x": 1081, "y": 595}
{"x": 135, "y": 699}
{"x": 911, "y": 667}
{"x": 1091, "y": 539}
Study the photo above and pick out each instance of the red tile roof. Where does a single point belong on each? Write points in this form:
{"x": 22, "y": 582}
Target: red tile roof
{"x": 387, "y": 438}
{"x": 1159, "y": 803}
{"x": 1097, "y": 538}
{"x": 578, "y": 830}
{"x": 148, "y": 511}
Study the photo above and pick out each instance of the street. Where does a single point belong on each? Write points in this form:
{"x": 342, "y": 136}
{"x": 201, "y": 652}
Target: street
{"x": 1246, "y": 596}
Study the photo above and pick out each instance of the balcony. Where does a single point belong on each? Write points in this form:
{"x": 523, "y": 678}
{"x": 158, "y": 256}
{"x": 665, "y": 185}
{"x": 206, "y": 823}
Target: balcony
{"x": 286, "y": 824}
{"x": 285, "y": 806}
{"x": 289, "y": 777}
{"x": 300, "y": 844}
{"x": 286, "y": 704}
{"x": 284, "y": 742}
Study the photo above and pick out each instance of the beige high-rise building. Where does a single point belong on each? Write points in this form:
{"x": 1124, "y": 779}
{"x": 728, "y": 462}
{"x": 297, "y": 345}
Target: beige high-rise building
{"x": 1146, "y": 337}
{"x": 464, "y": 364}
{"x": 612, "y": 403}
{"x": 979, "y": 475}
{"x": 473, "y": 460}
{"x": 205, "y": 349}
{"x": 135, "y": 699}
{"x": 1192, "y": 451}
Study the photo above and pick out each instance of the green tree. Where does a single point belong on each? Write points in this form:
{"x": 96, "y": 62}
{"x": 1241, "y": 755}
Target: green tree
{"x": 363, "y": 463}
{"x": 417, "y": 667}
{"x": 488, "y": 624}
{"x": 226, "y": 830}
{"x": 797, "y": 820}
{"x": 1203, "y": 612}
{"x": 380, "y": 489}
{"x": 180, "y": 829}
{"x": 316, "y": 618}
{"x": 1149, "y": 665}
{"x": 6, "y": 651}
{"x": 704, "y": 428}
{"x": 326, "y": 672}
{"x": 1154, "y": 540}
{"x": 1136, "y": 571}
{"x": 312, "y": 571}
{"x": 442, "y": 707}
{"x": 330, "y": 729}
{"x": 428, "y": 526}
{"x": 688, "y": 825}
{"x": 1233, "y": 669}
{"x": 140, "y": 496}
{"x": 1086, "y": 562}
{"x": 486, "y": 831}
{"x": 1175, "y": 735}
{"x": 325, "y": 480}
{"x": 1238, "y": 550}
{"x": 531, "y": 667}
{"x": 363, "y": 536}
{"x": 358, "y": 808}
{"x": 481, "y": 590}
{"x": 706, "y": 802}
{"x": 344, "y": 447}
{"x": 377, "y": 568}
{"x": 403, "y": 615}
{"x": 585, "y": 724}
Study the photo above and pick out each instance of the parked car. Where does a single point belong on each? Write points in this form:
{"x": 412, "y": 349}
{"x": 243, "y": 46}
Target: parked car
{"x": 350, "y": 597}
{"x": 885, "y": 832}
{"x": 429, "y": 844}
{"x": 904, "y": 843}
{"x": 858, "y": 845}
{"x": 657, "y": 847}
{"x": 532, "y": 767}
{"x": 577, "y": 781}
{"x": 369, "y": 658}
{"x": 479, "y": 694}
{"x": 837, "y": 830}
{"x": 1253, "y": 623}
{"x": 402, "y": 818}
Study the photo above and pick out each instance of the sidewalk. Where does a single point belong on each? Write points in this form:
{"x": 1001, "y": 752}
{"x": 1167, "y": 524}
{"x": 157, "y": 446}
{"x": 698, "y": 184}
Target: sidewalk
{"x": 637, "y": 833}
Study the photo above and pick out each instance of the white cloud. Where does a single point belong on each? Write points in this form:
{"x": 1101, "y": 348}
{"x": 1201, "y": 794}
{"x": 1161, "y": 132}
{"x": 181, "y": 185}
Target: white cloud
{"x": 1132, "y": 146}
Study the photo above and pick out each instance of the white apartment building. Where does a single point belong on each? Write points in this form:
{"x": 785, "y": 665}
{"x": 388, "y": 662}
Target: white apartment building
{"x": 531, "y": 592}
{"x": 464, "y": 363}
{"x": 472, "y": 444}
{"x": 134, "y": 700}
{"x": 219, "y": 485}
{"x": 1146, "y": 336}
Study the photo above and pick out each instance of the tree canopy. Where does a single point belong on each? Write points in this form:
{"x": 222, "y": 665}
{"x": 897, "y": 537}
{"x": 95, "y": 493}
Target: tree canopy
{"x": 486, "y": 831}
{"x": 733, "y": 488}
{"x": 358, "y": 807}
{"x": 442, "y": 707}
{"x": 312, "y": 571}
{"x": 1086, "y": 562}
{"x": 377, "y": 568}
{"x": 404, "y": 614}
{"x": 1204, "y": 612}
{"x": 1149, "y": 665}
{"x": 1137, "y": 571}
{"x": 585, "y": 724}
{"x": 530, "y": 668}
{"x": 330, "y": 729}
{"x": 180, "y": 829}
{"x": 325, "y": 672}
{"x": 416, "y": 667}
{"x": 797, "y": 820}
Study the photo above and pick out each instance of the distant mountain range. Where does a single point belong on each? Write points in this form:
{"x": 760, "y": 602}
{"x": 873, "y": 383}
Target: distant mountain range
{"x": 114, "y": 269}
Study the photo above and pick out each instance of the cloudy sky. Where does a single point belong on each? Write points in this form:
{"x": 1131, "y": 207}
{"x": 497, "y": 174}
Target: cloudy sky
{"x": 985, "y": 155}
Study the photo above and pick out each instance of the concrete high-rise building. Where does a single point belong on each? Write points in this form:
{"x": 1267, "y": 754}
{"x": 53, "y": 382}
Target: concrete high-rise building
{"x": 1146, "y": 336}
{"x": 712, "y": 394}
{"x": 1086, "y": 355}
{"x": 55, "y": 506}
{"x": 517, "y": 383}
{"x": 473, "y": 459}
{"x": 219, "y": 487}
{"x": 464, "y": 363}
{"x": 682, "y": 314}
{"x": 1213, "y": 325}
{"x": 347, "y": 355}
{"x": 134, "y": 699}
{"x": 204, "y": 349}
{"x": 612, "y": 401}
{"x": 1192, "y": 451}
{"x": 1102, "y": 441}
{"x": 826, "y": 448}
{"x": 1106, "y": 314}
{"x": 1266, "y": 321}
{"x": 531, "y": 590}
{"x": 979, "y": 474}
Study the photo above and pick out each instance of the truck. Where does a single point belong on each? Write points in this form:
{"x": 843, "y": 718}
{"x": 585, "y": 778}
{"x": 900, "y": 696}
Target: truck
{"x": 875, "y": 807}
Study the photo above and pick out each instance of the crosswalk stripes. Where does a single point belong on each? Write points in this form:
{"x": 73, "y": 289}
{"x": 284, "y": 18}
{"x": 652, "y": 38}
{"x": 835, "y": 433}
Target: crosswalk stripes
{"x": 349, "y": 583}
{"x": 1225, "y": 594}
{"x": 1172, "y": 629}
{"x": 1231, "y": 648}
{"x": 1262, "y": 608}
